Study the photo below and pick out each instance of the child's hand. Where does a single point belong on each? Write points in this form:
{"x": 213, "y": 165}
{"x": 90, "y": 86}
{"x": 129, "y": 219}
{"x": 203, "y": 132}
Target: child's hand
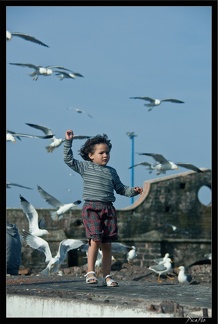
{"x": 139, "y": 190}
{"x": 69, "y": 134}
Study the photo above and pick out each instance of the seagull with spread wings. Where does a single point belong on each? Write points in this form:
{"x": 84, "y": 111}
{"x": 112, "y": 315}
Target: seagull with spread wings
{"x": 10, "y": 35}
{"x": 55, "y": 262}
{"x": 32, "y": 217}
{"x": 162, "y": 268}
{"x": 162, "y": 164}
{"x": 40, "y": 70}
{"x": 61, "y": 208}
{"x": 156, "y": 102}
{"x": 12, "y": 136}
{"x": 55, "y": 142}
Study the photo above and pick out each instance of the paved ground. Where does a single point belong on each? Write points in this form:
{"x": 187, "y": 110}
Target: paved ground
{"x": 138, "y": 287}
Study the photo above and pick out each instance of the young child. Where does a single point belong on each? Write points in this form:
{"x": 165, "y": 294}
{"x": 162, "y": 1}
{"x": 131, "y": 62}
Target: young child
{"x": 98, "y": 213}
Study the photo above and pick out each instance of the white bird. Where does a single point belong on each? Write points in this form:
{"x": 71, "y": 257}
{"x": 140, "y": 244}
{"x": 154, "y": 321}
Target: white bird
{"x": 184, "y": 278}
{"x": 12, "y": 136}
{"x": 54, "y": 263}
{"x": 9, "y": 184}
{"x": 67, "y": 75}
{"x": 162, "y": 268}
{"x": 55, "y": 142}
{"x": 61, "y": 208}
{"x": 162, "y": 164}
{"x": 32, "y": 217}
{"x": 156, "y": 102}
{"x": 131, "y": 255}
{"x": 10, "y": 35}
{"x": 40, "y": 70}
{"x": 162, "y": 260}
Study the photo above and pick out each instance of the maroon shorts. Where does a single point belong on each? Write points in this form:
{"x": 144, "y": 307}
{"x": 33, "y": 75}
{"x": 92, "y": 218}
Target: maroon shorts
{"x": 100, "y": 221}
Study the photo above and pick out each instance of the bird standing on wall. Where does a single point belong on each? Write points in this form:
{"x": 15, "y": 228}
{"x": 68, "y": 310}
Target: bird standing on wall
{"x": 162, "y": 268}
{"x": 184, "y": 278}
{"x": 32, "y": 217}
{"x": 156, "y": 102}
{"x": 131, "y": 255}
{"x": 10, "y": 35}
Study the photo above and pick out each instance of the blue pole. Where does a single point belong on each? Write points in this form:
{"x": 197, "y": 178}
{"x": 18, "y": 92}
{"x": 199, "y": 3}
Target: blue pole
{"x": 132, "y": 170}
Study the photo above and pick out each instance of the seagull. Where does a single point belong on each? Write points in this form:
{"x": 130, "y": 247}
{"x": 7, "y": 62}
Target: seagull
{"x": 54, "y": 263}
{"x": 162, "y": 165}
{"x": 32, "y": 217}
{"x": 162, "y": 260}
{"x": 10, "y": 35}
{"x": 156, "y": 102}
{"x": 55, "y": 142}
{"x": 149, "y": 165}
{"x": 131, "y": 255}
{"x": 162, "y": 268}
{"x": 12, "y": 136}
{"x": 182, "y": 277}
{"x": 40, "y": 70}
{"x": 61, "y": 208}
{"x": 67, "y": 75}
{"x": 9, "y": 184}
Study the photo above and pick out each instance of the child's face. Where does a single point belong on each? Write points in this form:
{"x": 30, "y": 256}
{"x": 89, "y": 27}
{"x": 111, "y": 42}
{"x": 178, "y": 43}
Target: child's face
{"x": 101, "y": 154}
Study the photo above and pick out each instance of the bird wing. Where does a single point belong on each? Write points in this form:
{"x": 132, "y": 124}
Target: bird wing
{"x": 31, "y": 214}
{"x": 142, "y": 163}
{"x": 8, "y": 184}
{"x": 35, "y": 67}
{"x": 117, "y": 247}
{"x": 172, "y": 100}
{"x": 29, "y": 38}
{"x": 144, "y": 98}
{"x": 29, "y": 135}
{"x": 189, "y": 166}
{"x": 37, "y": 243}
{"x": 44, "y": 129}
{"x": 49, "y": 198}
{"x": 65, "y": 246}
{"x": 57, "y": 67}
{"x": 158, "y": 157}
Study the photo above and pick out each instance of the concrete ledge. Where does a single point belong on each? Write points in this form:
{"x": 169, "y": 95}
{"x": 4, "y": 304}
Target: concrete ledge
{"x": 21, "y": 306}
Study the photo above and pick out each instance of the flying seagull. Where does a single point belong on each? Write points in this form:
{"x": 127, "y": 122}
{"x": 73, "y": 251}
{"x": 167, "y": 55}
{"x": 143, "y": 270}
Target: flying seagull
{"x": 80, "y": 111}
{"x": 40, "y": 70}
{"x": 61, "y": 208}
{"x": 149, "y": 166}
{"x": 55, "y": 142}
{"x": 162, "y": 164}
{"x": 162, "y": 268}
{"x": 10, "y": 35}
{"x": 184, "y": 278}
{"x": 67, "y": 75}
{"x": 54, "y": 263}
{"x": 156, "y": 102}
{"x": 12, "y": 136}
{"x": 32, "y": 217}
{"x": 9, "y": 184}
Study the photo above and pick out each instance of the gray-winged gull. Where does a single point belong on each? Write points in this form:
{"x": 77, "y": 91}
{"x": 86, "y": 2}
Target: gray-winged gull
{"x": 32, "y": 217}
{"x": 67, "y": 75}
{"x": 162, "y": 164}
{"x": 43, "y": 246}
{"x": 12, "y": 136}
{"x": 162, "y": 268}
{"x": 9, "y": 184}
{"x": 184, "y": 278}
{"x": 61, "y": 208}
{"x": 55, "y": 142}
{"x": 156, "y": 102}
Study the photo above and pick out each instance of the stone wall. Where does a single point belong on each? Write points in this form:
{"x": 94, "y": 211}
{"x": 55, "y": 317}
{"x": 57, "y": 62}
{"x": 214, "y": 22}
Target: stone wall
{"x": 167, "y": 217}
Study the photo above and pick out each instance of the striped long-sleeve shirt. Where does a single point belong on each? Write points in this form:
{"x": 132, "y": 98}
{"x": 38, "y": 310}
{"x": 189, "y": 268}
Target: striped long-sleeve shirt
{"x": 99, "y": 182}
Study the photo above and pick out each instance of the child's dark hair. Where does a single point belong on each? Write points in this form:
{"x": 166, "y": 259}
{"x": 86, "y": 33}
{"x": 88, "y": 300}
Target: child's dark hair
{"x": 88, "y": 146}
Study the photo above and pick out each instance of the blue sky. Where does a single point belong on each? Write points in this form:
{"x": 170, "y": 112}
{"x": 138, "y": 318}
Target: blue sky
{"x": 122, "y": 52}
